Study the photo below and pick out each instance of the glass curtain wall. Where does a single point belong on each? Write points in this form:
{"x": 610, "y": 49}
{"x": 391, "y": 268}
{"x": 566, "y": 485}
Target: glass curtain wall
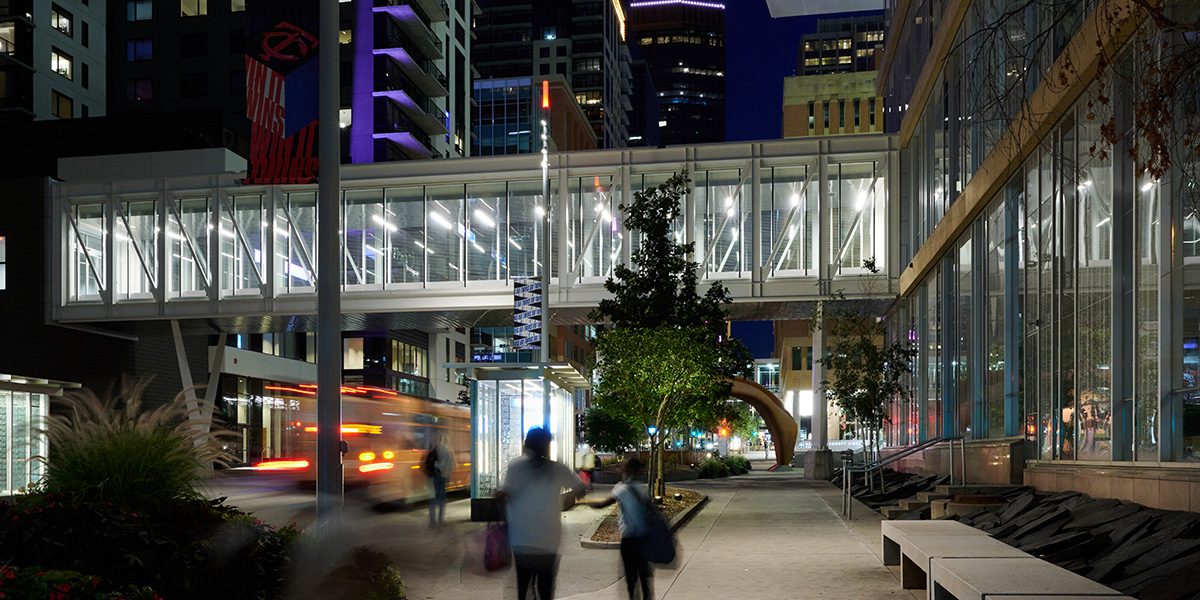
{"x": 135, "y": 265}
{"x": 20, "y": 440}
{"x": 722, "y": 198}
{"x": 1051, "y": 312}
{"x": 791, "y": 222}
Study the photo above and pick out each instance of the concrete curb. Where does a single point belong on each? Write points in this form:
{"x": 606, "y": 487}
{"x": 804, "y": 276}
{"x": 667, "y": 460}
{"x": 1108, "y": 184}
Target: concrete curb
{"x": 676, "y": 522}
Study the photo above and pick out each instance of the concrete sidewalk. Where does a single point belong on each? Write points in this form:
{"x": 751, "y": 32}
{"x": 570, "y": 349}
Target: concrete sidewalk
{"x": 762, "y": 536}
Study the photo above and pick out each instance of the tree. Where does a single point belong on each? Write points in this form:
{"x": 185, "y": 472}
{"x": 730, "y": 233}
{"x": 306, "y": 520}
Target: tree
{"x": 661, "y": 288}
{"x": 662, "y": 380}
{"x": 608, "y": 431}
{"x": 864, "y": 373}
{"x": 657, "y": 325}
{"x": 743, "y": 421}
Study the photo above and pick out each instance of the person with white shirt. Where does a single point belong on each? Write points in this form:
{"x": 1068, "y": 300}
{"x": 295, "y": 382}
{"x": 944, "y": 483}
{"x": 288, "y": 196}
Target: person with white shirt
{"x": 532, "y": 496}
{"x": 634, "y": 497}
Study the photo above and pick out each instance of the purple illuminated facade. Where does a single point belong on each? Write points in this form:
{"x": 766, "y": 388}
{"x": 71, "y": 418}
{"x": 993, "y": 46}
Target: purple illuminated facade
{"x": 410, "y": 88}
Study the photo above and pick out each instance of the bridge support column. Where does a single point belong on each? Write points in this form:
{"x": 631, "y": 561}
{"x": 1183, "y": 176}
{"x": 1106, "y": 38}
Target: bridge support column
{"x": 818, "y": 461}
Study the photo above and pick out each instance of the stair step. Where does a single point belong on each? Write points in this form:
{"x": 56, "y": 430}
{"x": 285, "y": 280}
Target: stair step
{"x": 931, "y": 496}
{"x": 892, "y": 512}
{"x": 975, "y": 489}
{"x": 911, "y": 504}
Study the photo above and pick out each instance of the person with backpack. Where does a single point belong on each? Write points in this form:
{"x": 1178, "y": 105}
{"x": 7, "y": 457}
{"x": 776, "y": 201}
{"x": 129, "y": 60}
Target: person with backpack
{"x": 638, "y": 526}
{"x": 532, "y": 496}
{"x": 438, "y": 464}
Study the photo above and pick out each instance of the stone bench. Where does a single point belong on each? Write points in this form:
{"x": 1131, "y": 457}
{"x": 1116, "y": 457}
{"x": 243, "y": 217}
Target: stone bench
{"x": 918, "y": 552}
{"x": 895, "y": 533}
{"x": 1009, "y": 579}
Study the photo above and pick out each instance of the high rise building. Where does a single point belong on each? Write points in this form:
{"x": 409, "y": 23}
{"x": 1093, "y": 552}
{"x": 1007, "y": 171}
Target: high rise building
{"x": 411, "y": 85}
{"x": 508, "y": 117}
{"x": 842, "y": 45}
{"x": 582, "y": 40}
{"x": 643, "y": 116}
{"x": 683, "y": 42}
{"x": 52, "y": 59}
{"x": 405, "y": 70}
{"x": 835, "y": 91}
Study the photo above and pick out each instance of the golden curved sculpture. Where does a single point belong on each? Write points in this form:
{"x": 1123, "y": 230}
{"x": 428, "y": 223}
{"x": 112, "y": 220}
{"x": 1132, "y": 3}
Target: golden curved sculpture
{"x": 779, "y": 421}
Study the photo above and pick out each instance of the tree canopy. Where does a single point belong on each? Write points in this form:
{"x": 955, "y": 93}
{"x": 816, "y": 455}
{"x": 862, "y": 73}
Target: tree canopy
{"x": 663, "y": 353}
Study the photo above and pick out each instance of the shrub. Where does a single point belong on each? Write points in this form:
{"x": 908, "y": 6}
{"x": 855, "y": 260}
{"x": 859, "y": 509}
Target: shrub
{"x": 738, "y": 465}
{"x": 112, "y": 451}
{"x": 52, "y": 584}
{"x": 369, "y": 575}
{"x": 187, "y": 549}
{"x": 713, "y": 467}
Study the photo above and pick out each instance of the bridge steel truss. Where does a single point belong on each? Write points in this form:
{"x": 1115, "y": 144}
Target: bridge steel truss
{"x": 779, "y": 221}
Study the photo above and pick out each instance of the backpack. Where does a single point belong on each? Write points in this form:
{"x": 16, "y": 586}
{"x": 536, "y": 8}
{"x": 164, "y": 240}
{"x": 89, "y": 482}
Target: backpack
{"x": 429, "y": 465}
{"x": 660, "y": 540}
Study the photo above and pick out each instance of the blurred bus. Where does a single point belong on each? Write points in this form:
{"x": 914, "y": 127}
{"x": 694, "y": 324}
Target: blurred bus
{"x": 387, "y": 434}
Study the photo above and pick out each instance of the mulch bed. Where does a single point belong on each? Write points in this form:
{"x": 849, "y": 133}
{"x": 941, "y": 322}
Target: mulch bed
{"x": 610, "y": 528}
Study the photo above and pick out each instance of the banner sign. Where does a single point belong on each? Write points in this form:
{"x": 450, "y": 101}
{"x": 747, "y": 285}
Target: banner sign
{"x": 527, "y": 314}
{"x": 282, "y": 90}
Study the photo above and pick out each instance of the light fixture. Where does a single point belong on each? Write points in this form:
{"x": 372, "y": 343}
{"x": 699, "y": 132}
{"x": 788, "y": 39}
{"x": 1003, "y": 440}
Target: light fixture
{"x": 440, "y": 220}
{"x": 384, "y": 222}
{"x": 484, "y": 218}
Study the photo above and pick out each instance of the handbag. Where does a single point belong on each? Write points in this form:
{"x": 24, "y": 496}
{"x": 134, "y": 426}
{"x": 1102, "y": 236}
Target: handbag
{"x": 586, "y": 478}
{"x": 496, "y": 552}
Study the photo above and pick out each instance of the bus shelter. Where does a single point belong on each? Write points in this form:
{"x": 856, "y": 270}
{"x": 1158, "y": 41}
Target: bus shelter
{"x": 507, "y": 400}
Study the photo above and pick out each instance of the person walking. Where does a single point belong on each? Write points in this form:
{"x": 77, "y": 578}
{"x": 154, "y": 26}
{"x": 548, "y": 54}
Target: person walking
{"x": 590, "y": 462}
{"x": 438, "y": 464}
{"x": 634, "y": 498}
{"x": 532, "y": 496}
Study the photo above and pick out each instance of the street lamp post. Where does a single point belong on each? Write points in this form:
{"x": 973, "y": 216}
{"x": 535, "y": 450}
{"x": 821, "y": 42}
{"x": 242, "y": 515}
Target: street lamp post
{"x": 329, "y": 317}
{"x": 546, "y": 256}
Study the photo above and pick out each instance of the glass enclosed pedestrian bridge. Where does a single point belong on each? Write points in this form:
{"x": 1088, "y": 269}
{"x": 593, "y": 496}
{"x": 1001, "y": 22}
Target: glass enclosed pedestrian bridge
{"x": 176, "y": 235}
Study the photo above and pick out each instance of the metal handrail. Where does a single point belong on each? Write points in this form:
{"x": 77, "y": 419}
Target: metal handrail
{"x": 849, "y": 468}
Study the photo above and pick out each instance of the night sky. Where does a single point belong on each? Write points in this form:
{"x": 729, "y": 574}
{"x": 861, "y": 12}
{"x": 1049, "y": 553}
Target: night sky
{"x": 760, "y": 52}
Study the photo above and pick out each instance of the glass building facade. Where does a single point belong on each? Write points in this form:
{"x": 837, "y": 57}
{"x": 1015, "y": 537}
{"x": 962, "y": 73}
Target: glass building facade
{"x": 22, "y": 445}
{"x": 1060, "y": 303}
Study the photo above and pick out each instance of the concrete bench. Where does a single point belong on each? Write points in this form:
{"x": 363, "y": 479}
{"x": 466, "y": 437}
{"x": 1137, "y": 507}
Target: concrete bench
{"x": 894, "y": 533}
{"x": 1009, "y": 578}
{"x": 917, "y": 552}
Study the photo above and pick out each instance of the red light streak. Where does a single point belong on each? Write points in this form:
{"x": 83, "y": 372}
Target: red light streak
{"x": 280, "y": 465}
